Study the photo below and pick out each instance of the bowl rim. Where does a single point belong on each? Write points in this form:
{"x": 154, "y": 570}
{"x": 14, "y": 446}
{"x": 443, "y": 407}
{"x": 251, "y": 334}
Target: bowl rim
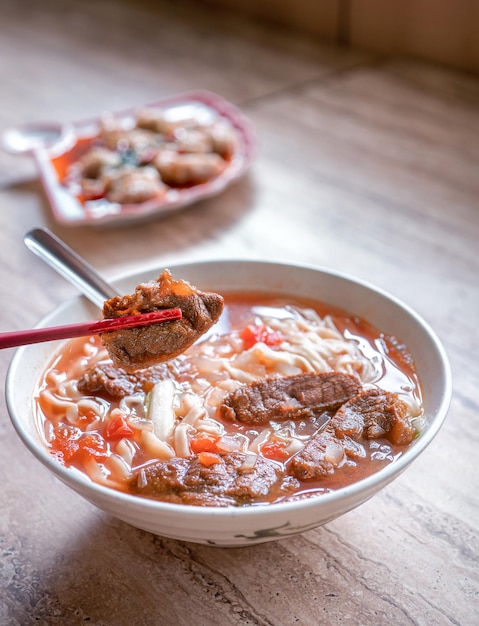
{"x": 363, "y": 486}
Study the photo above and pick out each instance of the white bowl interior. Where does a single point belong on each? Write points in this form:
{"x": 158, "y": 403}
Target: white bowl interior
{"x": 246, "y": 525}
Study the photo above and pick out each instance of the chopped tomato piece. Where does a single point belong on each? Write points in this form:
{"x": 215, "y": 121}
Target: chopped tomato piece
{"x": 92, "y": 444}
{"x": 67, "y": 449}
{"x": 65, "y": 432}
{"x": 65, "y": 442}
{"x": 254, "y": 334}
{"x": 204, "y": 443}
{"x": 85, "y": 417}
{"x": 209, "y": 458}
{"x": 275, "y": 450}
{"x": 73, "y": 446}
{"x": 118, "y": 428}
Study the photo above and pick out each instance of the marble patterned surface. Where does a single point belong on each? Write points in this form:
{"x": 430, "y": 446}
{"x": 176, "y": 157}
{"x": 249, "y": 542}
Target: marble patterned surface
{"x": 366, "y": 165}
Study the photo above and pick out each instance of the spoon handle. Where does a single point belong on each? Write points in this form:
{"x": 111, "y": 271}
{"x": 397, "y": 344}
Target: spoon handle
{"x": 70, "y": 265}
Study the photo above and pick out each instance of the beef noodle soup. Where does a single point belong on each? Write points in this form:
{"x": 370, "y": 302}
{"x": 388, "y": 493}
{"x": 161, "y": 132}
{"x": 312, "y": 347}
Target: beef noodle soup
{"x": 282, "y": 399}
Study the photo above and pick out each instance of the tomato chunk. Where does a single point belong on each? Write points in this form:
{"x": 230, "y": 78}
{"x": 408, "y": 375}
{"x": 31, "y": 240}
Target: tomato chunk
{"x": 118, "y": 428}
{"x": 204, "y": 443}
{"x": 275, "y": 450}
{"x": 254, "y": 334}
{"x": 209, "y": 458}
{"x": 92, "y": 444}
{"x": 73, "y": 446}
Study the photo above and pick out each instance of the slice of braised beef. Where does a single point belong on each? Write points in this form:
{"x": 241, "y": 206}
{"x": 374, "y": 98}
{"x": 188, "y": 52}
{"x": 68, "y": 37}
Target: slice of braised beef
{"x": 373, "y": 414}
{"x": 236, "y": 479}
{"x": 138, "y": 348}
{"x": 105, "y": 378}
{"x": 319, "y": 457}
{"x": 291, "y": 397}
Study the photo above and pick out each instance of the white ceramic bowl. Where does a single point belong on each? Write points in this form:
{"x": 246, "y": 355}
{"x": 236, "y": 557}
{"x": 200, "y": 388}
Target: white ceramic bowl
{"x": 239, "y": 526}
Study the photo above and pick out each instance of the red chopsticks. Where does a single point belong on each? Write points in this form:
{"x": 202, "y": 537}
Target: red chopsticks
{"x": 83, "y": 329}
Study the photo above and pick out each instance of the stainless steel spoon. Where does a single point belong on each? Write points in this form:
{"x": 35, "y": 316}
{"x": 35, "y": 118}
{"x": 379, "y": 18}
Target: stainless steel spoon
{"x": 70, "y": 265}
{"x": 27, "y": 138}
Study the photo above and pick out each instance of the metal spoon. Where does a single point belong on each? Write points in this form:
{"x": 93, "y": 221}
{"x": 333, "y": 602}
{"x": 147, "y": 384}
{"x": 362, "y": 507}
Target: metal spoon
{"x": 27, "y": 138}
{"x": 70, "y": 265}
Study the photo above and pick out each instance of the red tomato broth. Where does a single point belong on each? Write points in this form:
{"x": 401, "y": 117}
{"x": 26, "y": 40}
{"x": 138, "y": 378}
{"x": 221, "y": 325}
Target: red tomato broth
{"x": 241, "y": 313}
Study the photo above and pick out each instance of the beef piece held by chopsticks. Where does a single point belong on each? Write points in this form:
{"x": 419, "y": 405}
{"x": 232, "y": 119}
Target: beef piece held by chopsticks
{"x": 138, "y": 348}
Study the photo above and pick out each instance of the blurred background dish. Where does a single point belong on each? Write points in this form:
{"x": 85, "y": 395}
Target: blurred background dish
{"x": 132, "y": 165}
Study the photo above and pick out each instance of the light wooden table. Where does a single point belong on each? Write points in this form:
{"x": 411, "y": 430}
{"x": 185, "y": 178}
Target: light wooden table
{"x": 365, "y": 165}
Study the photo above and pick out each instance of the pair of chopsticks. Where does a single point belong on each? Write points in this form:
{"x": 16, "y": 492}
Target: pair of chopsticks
{"x": 84, "y": 329}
